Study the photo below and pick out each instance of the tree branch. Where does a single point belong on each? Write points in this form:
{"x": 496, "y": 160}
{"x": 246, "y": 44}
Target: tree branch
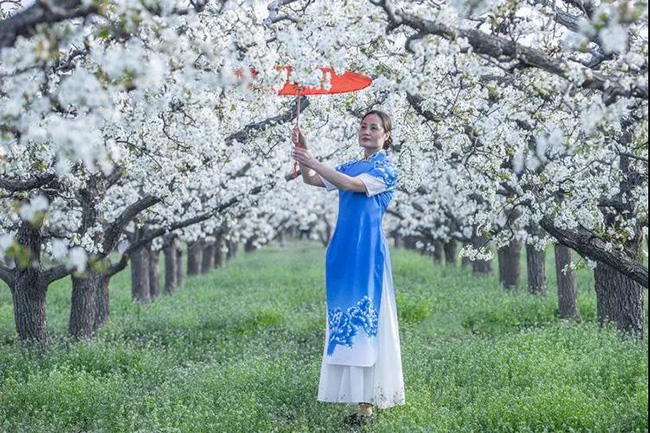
{"x": 504, "y": 50}
{"x": 587, "y": 245}
{"x": 178, "y": 225}
{"x": 586, "y": 6}
{"x": 115, "y": 230}
{"x": 41, "y": 12}
{"x": 25, "y": 185}
{"x": 6, "y": 275}
{"x": 274, "y": 12}
{"x": 243, "y": 134}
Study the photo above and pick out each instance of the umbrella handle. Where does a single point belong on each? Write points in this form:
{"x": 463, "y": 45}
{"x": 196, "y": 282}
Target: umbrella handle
{"x": 297, "y": 144}
{"x": 298, "y": 115}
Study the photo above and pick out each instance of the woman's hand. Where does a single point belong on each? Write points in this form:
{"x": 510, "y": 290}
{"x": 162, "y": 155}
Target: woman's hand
{"x": 297, "y": 137}
{"x": 303, "y": 157}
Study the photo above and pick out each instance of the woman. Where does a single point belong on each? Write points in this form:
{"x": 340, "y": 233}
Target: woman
{"x": 362, "y": 359}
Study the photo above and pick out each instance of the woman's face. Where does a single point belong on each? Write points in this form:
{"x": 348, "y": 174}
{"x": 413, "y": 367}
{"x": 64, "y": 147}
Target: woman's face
{"x": 371, "y": 133}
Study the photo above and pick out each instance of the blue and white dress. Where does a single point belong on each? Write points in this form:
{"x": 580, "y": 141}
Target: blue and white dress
{"x": 361, "y": 358}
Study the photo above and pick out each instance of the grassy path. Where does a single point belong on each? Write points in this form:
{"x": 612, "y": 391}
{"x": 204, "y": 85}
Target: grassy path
{"x": 239, "y": 350}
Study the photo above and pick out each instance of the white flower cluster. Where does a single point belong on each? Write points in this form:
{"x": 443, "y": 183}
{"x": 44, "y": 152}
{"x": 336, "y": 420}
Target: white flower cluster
{"x": 33, "y": 208}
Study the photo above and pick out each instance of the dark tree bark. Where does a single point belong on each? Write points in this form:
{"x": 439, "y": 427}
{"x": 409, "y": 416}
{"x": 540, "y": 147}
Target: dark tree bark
{"x": 249, "y": 246}
{"x": 566, "y": 283}
{"x": 90, "y": 307}
{"x": 193, "y": 251}
{"x": 619, "y": 300}
{"x": 231, "y": 250}
{"x": 169, "y": 250}
{"x": 480, "y": 267}
{"x": 450, "y": 252}
{"x": 154, "y": 273}
{"x": 207, "y": 260}
{"x": 28, "y": 290}
{"x": 103, "y": 305}
{"x": 179, "y": 267}
{"x": 619, "y": 296}
{"x": 409, "y": 242}
{"x": 327, "y": 236}
{"x": 87, "y": 298}
{"x": 396, "y": 240}
{"x": 536, "y": 269}
{"x": 437, "y": 252}
{"x": 86, "y": 288}
{"x": 465, "y": 262}
{"x": 218, "y": 254}
{"x": 37, "y": 181}
{"x": 29, "y": 310}
{"x": 140, "y": 290}
{"x": 509, "y": 265}
{"x": 536, "y": 264}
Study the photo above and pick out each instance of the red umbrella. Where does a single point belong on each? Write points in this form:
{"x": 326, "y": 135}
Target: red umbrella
{"x": 343, "y": 83}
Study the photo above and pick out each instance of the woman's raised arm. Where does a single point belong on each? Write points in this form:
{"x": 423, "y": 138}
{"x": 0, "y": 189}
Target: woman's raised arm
{"x": 309, "y": 175}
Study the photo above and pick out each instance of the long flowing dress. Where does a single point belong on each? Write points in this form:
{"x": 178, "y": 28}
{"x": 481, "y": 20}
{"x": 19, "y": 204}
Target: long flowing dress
{"x": 361, "y": 358}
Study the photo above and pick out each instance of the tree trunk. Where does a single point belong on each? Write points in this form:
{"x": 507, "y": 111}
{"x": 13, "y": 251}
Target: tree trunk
{"x": 169, "y": 251}
{"x": 103, "y": 307}
{"x": 231, "y": 250}
{"x": 536, "y": 264}
{"x": 249, "y": 244}
{"x": 619, "y": 300}
{"x": 193, "y": 250}
{"x": 179, "y": 267}
{"x": 536, "y": 269}
{"x": 480, "y": 267}
{"x": 29, "y": 312}
{"x": 566, "y": 283}
{"x": 465, "y": 262}
{"x": 28, "y": 291}
{"x": 87, "y": 288}
{"x": 450, "y": 252}
{"x": 510, "y": 265}
{"x": 140, "y": 290}
{"x": 207, "y": 260}
{"x": 218, "y": 254}
{"x": 154, "y": 273}
{"x": 328, "y": 233}
{"x": 396, "y": 240}
{"x": 86, "y": 293}
{"x": 437, "y": 252}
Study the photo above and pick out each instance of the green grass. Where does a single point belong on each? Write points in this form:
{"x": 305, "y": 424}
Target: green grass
{"x": 240, "y": 350}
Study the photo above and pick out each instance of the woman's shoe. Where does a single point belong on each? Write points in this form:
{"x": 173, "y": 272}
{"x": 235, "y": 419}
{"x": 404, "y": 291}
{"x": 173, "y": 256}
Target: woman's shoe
{"x": 358, "y": 419}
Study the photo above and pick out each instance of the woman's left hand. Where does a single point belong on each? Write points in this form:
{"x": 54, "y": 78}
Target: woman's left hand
{"x": 304, "y": 157}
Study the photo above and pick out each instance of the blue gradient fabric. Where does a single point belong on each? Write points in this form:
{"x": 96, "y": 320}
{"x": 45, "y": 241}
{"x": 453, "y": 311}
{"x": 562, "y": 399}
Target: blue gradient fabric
{"x": 355, "y": 265}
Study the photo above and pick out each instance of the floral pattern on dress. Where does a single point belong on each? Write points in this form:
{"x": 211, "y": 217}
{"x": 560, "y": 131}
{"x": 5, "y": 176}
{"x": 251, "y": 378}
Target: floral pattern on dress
{"x": 341, "y": 330}
{"x": 364, "y": 315}
{"x": 383, "y": 169}
{"x": 344, "y": 166}
{"x": 344, "y": 325}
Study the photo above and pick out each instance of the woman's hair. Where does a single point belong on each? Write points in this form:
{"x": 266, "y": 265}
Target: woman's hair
{"x": 385, "y": 123}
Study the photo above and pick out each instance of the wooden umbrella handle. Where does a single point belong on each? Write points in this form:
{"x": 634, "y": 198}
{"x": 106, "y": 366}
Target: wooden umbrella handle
{"x": 297, "y": 143}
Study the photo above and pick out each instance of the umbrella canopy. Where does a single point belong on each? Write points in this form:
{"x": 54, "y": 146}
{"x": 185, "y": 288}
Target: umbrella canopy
{"x": 344, "y": 83}
{"x": 338, "y": 83}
